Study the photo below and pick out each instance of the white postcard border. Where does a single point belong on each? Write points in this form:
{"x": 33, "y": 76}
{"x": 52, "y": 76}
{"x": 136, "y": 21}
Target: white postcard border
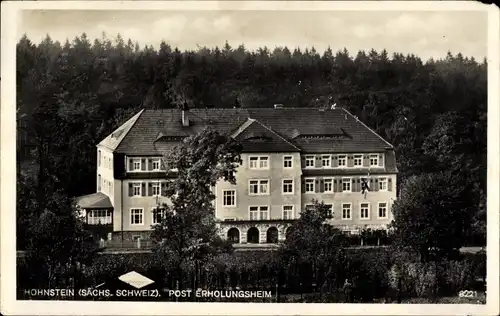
{"x": 10, "y": 306}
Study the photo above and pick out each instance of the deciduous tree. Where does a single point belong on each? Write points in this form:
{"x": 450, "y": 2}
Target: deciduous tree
{"x": 188, "y": 234}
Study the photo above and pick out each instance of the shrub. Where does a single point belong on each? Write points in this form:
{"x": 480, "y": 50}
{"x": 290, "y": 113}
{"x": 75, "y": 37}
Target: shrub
{"x": 457, "y": 276}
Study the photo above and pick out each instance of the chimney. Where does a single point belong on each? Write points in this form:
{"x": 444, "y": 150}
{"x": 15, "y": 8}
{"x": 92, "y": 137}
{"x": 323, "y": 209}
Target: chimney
{"x": 185, "y": 116}
{"x": 279, "y": 106}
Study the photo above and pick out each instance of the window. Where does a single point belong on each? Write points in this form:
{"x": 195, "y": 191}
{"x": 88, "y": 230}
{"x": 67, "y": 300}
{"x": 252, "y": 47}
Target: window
{"x": 155, "y": 164}
{"x": 156, "y": 187}
{"x": 382, "y": 184}
{"x": 326, "y": 161}
{"x": 259, "y": 212}
{"x": 287, "y": 162}
{"x": 309, "y": 206}
{"x": 254, "y": 213}
{"x": 364, "y": 210}
{"x": 259, "y": 162}
{"x": 342, "y": 160}
{"x": 328, "y": 185}
{"x": 136, "y": 189}
{"x": 382, "y": 210}
{"x": 309, "y": 183}
{"x": 346, "y": 211}
{"x": 109, "y": 186}
{"x": 264, "y": 163}
{"x": 253, "y": 162}
{"x": 374, "y": 160}
{"x": 330, "y": 209}
{"x": 99, "y": 158}
{"x": 259, "y": 187}
{"x": 288, "y": 186}
{"x": 309, "y": 161}
{"x": 158, "y": 214}
{"x": 97, "y": 217}
{"x": 229, "y": 198}
{"x": 99, "y": 181}
{"x": 358, "y": 160}
{"x": 287, "y": 211}
{"x": 346, "y": 185}
{"x": 264, "y": 212}
{"x": 136, "y": 164}
{"x": 136, "y": 216}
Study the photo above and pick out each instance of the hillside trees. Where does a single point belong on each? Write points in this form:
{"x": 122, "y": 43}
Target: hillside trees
{"x": 74, "y": 94}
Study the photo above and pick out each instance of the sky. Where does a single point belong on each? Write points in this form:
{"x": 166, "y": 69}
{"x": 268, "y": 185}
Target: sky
{"x": 423, "y": 33}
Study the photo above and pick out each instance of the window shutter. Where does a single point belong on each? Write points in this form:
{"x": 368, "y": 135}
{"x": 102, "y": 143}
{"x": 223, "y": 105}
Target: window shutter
{"x": 130, "y": 190}
{"x": 143, "y": 189}
{"x": 340, "y": 186}
{"x": 150, "y": 189}
{"x": 366, "y": 161}
{"x": 371, "y": 185}
{"x": 303, "y": 185}
{"x": 150, "y": 164}
{"x": 335, "y": 186}
{"x": 335, "y": 161}
{"x": 350, "y": 161}
{"x": 163, "y": 188}
{"x": 375, "y": 185}
{"x": 355, "y": 184}
{"x": 316, "y": 186}
{"x": 389, "y": 184}
{"x": 130, "y": 164}
{"x": 143, "y": 164}
{"x": 318, "y": 162}
{"x": 303, "y": 161}
{"x": 381, "y": 160}
{"x": 321, "y": 185}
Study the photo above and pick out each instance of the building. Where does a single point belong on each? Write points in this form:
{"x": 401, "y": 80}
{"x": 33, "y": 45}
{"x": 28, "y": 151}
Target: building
{"x": 290, "y": 156}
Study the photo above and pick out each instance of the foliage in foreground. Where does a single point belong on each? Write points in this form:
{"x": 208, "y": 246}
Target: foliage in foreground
{"x": 371, "y": 271}
{"x": 433, "y": 215}
{"x": 187, "y": 234}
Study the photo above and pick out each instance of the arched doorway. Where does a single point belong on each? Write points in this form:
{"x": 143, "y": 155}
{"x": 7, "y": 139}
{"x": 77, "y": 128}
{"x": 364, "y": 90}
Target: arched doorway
{"x": 253, "y": 235}
{"x": 233, "y": 235}
{"x": 272, "y": 235}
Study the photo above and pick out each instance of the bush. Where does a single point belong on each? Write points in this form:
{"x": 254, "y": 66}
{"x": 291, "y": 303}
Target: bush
{"x": 457, "y": 276}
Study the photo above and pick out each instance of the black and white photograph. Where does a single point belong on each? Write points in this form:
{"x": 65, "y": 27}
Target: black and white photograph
{"x": 286, "y": 153}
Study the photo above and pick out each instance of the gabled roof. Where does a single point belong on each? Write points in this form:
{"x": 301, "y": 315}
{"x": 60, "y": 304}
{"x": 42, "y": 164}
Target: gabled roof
{"x": 94, "y": 201}
{"x": 114, "y": 139}
{"x": 313, "y": 130}
{"x": 256, "y": 137}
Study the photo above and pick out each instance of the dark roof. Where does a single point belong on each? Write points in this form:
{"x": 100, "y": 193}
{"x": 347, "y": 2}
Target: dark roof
{"x": 93, "y": 201}
{"x": 291, "y": 129}
{"x": 255, "y": 137}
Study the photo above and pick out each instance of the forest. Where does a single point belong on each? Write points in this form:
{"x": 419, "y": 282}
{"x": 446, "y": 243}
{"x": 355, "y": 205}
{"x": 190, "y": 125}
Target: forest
{"x": 71, "y": 95}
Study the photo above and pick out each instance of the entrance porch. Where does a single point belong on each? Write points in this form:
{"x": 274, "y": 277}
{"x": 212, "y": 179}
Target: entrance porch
{"x": 255, "y": 232}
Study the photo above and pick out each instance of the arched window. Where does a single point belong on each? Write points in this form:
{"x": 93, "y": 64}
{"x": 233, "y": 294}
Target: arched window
{"x": 253, "y": 235}
{"x": 272, "y": 235}
{"x": 233, "y": 235}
